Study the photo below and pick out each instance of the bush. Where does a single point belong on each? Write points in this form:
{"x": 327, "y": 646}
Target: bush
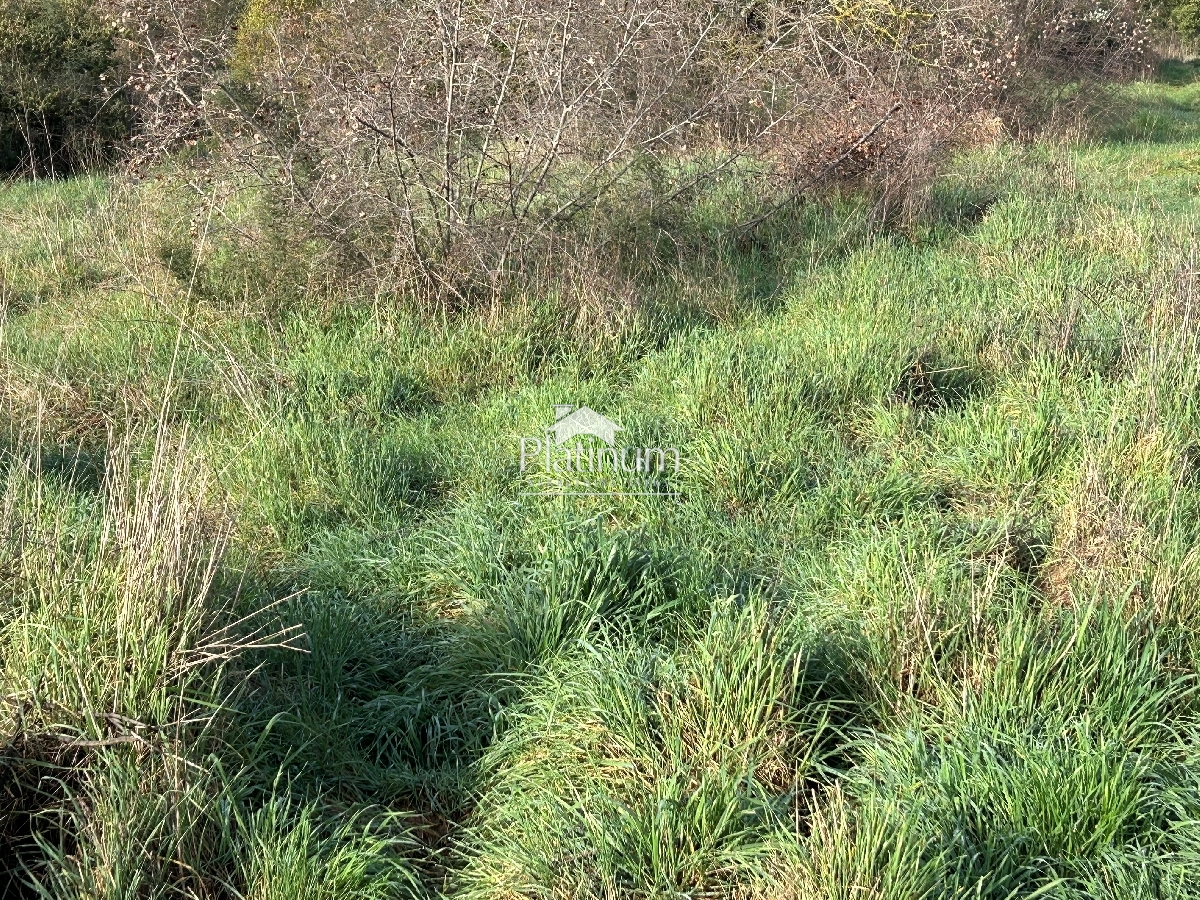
{"x": 459, "y": 145}
{"x": 60, "y": 110}
{"x": 1182, "y": 16}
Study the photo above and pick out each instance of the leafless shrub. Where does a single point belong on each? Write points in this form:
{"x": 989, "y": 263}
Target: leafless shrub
{"x": 1064, "y": 58}
{"x": 448, "y": 142}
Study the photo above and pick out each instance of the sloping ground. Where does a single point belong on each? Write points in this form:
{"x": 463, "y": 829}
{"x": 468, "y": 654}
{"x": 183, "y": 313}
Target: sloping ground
{"x": 917, "y": 616}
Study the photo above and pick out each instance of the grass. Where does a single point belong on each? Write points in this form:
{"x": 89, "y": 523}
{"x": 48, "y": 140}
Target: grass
{"x": 281, "y": 617}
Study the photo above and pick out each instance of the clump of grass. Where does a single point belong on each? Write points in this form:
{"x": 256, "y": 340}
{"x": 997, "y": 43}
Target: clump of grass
{"x": 1055, "y": 772}
{"x": 299, "y": 851}
{"x": 118, "y": 644}
{"x": 102, "y": 620}
{"x": 657, "y": 773}
{"x": 111, "y": 631}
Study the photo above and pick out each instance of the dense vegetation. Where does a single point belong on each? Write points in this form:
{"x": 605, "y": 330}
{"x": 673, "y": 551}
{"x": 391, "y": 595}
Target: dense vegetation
{"x": 61, "y": 110}
{"x": 469, "y": 151}
{"x": 278, "y": 618}
{"x": 283, "y": 615}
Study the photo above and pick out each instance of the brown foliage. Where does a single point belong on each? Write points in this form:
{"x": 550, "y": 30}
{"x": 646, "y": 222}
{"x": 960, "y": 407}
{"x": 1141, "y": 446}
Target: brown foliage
{"x": 447, "y": 141}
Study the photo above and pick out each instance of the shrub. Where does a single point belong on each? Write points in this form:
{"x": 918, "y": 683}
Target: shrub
{"x": 1182, "y": 16}
{"x": 454, "y": 146}
{"x": 59, "y": 108}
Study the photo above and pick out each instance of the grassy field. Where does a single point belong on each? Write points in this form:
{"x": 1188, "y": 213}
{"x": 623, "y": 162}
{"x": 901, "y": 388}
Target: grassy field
{"x": 918, "y": 616}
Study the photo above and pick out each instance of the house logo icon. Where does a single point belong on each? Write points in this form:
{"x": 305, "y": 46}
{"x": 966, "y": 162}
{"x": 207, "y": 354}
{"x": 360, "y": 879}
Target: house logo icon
{"x": 570, "y": 423}
{"x": 595, "y": 468}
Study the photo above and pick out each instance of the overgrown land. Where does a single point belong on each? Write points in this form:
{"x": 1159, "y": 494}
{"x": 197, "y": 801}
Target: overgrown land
{"x": 282, "y": 617}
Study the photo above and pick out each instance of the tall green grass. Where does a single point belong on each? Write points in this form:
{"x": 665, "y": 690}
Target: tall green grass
{"x": 280, "y": 617}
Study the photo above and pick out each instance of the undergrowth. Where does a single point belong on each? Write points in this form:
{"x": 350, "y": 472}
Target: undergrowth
{"x": 282, "y": 617}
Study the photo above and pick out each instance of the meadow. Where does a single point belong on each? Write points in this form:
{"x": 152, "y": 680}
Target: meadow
{"x": 918, "y": 617}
